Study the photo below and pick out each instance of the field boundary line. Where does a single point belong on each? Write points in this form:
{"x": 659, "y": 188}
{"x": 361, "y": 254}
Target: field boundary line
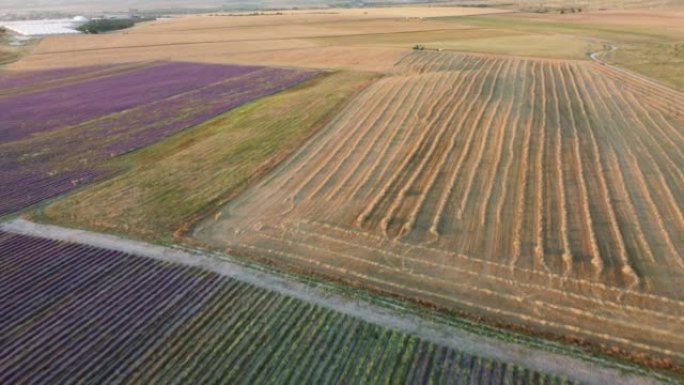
{"x": 545, "y": 361}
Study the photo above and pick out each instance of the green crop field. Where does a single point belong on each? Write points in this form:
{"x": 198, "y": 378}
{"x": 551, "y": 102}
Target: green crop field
{"x": 663, "y": 61}
{"x": 267, "y": 338}
{"x": 170, "y": 183}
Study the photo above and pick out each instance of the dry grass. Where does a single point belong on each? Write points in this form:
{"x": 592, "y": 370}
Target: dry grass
{"x": 220, "y": 53}
{"x": 418, "y": 11}
{"x": 338, "y": 57}
{"x": 547, "y": 194}
{"x": 407, "y": 38}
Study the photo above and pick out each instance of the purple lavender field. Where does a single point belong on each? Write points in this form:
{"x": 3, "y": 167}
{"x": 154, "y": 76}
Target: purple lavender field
{"x": 22, "y": 79}
{"x": 58, "y": 138}
{"x": 20, "y": 82}
{"x": 10, "y": 81}
{"x": 51, "y": 109}
{"x": 76, "y": 314}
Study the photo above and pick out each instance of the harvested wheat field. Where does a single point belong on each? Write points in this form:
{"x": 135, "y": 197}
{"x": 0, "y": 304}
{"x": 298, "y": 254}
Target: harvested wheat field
{"x": 290, "y": 38}
{"x": 539, "y": 193}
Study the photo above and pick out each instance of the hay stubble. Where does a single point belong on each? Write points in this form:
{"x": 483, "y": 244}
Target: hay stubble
{"x": 525, "y": 190}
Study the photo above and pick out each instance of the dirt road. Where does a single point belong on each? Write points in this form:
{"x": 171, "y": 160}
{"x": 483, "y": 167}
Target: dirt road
{"x": 586, "y": 372}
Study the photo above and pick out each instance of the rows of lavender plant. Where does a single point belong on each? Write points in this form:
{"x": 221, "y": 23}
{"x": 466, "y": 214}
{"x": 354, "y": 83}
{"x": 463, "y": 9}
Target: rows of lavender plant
{"x": 54, "y": 108}
{"x": 23, "y": 186}
{"x": 10, "y": 80}
{"x": 21, "y": 82}
{"x": 51, "y": 161}
{"x": 72, "y": 314}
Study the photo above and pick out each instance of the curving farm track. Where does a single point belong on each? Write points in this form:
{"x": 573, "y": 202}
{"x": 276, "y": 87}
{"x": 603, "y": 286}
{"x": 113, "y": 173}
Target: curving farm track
{"x": 84, "y": 314}
{"x": 78, "y": 289}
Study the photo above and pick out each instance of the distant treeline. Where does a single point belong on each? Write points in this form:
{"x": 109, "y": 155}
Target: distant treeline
{"x": 106, "y": 25}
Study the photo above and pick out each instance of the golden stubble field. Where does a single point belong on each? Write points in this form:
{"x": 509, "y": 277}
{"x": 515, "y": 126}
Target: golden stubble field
{"x": 373, "y": 39}
{"x": 288, "y": 39}
{"x": 541, "y": 193}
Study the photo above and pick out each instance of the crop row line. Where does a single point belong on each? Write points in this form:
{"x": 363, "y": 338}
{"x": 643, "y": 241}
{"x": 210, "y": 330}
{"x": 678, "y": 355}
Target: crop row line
{"x": 560, "y": 279}
{"x": 470, "y": 304}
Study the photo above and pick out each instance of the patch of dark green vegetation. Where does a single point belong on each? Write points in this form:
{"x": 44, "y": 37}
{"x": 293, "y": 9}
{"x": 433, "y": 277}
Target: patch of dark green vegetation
{"x": 108, "y": 25}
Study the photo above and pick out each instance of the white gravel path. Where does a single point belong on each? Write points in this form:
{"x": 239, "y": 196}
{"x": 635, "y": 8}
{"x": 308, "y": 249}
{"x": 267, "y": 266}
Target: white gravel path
{"x": 586, "y": 372}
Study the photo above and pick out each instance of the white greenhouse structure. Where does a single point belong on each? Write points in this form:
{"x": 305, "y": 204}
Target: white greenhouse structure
{"x": 45, "y": 27}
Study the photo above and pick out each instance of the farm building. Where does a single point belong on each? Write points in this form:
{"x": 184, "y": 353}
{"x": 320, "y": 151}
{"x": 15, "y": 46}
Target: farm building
{"x": 45, "y": 27}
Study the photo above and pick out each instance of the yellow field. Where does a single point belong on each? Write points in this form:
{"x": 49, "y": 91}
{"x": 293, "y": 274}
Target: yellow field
{"x": 373, "y": 39}
{"x": 535, "y": 45}
{"x": 547, "y": 194}
{"x": 290, "y": 39}
{"x": 597, "y": 4}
